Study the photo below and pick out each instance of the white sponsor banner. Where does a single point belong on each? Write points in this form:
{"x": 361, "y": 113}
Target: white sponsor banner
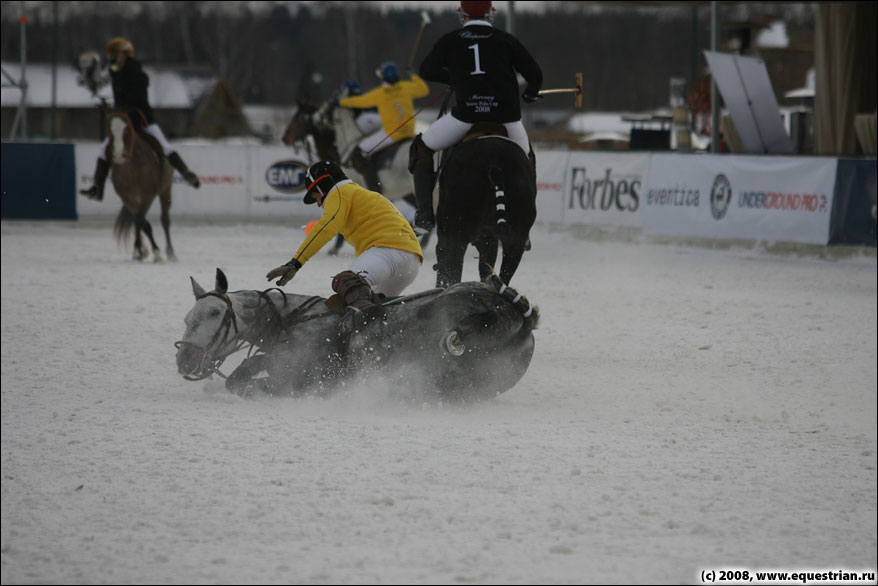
{"x": 236, "y": 180}
{"x": 222, "y": 170}
{"x": 777, "y": 198}
{"x": 277, "y": 182}
{"x": 605, "y": 189}
{"x": 551, "y": 174}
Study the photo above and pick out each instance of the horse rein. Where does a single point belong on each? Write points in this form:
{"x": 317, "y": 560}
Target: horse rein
{"x": 230, "y": 321}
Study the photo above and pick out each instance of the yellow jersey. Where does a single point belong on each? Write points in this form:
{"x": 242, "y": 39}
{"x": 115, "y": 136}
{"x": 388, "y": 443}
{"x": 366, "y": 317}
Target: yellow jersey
{"x": 365, "y": 218}
{"x": 395, "y": 105}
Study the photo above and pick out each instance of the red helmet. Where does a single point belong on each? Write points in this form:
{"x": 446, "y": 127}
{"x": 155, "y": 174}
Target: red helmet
{"x": 475, "y": 9}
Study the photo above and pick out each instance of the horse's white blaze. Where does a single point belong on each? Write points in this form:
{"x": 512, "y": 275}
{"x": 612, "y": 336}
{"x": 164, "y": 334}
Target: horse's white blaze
{"x": 117, "y": 131}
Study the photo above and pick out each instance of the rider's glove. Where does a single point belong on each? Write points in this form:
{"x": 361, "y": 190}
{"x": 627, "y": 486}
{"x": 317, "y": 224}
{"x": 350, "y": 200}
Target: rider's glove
{"x": 286, "y": 272}
{"x": 531, "y": 98}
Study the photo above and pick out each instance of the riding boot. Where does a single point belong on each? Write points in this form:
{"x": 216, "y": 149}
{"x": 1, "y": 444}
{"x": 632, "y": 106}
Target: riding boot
{"x": 421, "y": 167}
{"x": 366, "y": 166}
{"x": 363, "y": 305}
{"x": 96, "y": 191}
{"x": 178, "y": 164}
{"x": 533, "y": 161}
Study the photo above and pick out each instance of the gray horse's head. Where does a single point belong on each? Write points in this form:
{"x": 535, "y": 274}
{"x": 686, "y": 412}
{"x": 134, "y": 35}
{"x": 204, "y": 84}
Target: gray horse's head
{"x": 211, "y": 330}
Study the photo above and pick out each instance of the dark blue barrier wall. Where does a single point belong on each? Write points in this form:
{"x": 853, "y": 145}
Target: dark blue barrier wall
{"x": 854, "y": 203}
{"x": 39, "y": 181}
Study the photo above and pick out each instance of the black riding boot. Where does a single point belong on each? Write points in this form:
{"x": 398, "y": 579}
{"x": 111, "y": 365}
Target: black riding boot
{"x": 533, "y": 161}
{"x": 178, "y": 164}
{"x": 421, "y": 167}
{"x": 362, "y": 303}
{"x": 96, "y": 191}
{"x": 366, "y": 166}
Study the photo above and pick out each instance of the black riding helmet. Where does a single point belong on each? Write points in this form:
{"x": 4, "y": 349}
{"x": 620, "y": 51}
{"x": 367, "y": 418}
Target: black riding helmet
{"x": 321, "y": 176}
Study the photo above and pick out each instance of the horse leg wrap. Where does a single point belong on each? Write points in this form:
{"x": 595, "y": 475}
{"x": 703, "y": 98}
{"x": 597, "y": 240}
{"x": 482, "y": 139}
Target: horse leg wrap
{"x": 518, "y": 300}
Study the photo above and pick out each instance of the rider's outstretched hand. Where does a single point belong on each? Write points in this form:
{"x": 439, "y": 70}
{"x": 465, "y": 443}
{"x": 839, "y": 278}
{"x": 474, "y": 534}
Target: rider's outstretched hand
{"x": 286, "y": 272}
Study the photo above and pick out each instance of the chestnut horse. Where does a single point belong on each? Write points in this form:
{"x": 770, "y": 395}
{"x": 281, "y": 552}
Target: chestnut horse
{"x": 139, "y": 172}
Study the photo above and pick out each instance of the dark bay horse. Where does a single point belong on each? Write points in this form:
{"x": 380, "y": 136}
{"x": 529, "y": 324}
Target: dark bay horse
{"x": 487, "y": 197}
{"x": 139, "y": 172}
{"x": 471, "y": 341}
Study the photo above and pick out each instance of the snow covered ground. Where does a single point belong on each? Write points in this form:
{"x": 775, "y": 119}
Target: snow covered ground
{"x": 687, "y": 408}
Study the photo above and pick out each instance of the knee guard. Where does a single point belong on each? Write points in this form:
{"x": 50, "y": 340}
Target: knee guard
{"x": 419, "y": 153}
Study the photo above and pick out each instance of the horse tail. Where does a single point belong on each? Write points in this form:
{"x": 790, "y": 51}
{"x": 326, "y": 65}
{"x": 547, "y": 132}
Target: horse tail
{"x": 122, "y": 227}
{"x": 495, "y": 176}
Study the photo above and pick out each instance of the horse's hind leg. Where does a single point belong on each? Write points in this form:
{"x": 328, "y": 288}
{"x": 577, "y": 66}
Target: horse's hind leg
{"x": 139, "y": 251}
{"x": 449, "y": 261}
{"x": 487, "y": 247}
{"x": 144, "y": 225}
{"x": 511, "y": 259}
{"x": 339, "y": 242}
{"x": 165, "y": 200}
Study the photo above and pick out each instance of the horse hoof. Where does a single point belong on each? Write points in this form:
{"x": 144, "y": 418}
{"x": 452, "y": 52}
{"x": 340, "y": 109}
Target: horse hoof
{"x": 452, "y": 344}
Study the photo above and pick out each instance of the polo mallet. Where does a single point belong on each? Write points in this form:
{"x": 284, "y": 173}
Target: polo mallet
{"x": 425, "y": 20}
{"x": 572, "y": 90}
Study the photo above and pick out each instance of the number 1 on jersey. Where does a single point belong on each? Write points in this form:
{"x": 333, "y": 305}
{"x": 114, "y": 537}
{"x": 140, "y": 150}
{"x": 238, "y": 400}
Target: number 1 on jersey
{"x": 478, "y": 69}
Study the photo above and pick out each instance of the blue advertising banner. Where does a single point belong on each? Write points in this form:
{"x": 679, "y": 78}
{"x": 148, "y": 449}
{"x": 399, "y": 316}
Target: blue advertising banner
{"x": 854, "y": 207}
{"x": 39, "y": 181}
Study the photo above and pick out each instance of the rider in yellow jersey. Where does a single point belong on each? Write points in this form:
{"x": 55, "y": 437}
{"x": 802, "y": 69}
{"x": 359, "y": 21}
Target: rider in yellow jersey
{"x": 395, "y": 102}
{"x": 388, "y": 254}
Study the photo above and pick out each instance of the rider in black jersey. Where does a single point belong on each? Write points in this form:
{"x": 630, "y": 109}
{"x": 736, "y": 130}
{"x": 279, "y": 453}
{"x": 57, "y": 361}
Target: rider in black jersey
{"x": 480, "y": 64}
{"x": 130, "y": 85}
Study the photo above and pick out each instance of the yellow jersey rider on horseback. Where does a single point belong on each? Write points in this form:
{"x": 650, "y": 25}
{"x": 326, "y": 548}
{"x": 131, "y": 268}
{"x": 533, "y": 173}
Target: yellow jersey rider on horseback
{"x": 130, "y": 85}
{"x": 480, "y": 64}
{"x": 394, "y": 100}
{"x": 388, "y": 254}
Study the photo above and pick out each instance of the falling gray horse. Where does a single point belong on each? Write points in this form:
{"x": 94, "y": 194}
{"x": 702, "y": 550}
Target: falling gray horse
{"x": 473, "y": 340}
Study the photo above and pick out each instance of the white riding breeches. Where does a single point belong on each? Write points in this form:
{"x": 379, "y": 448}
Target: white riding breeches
{"x": 387, "y": 270}
{"x": 375, "y": 142}
{"x": 448, "y": 131}
{"x": 369, "y": 122}
{"x": 102, "y": 151}
{"x": 153, "y": 130}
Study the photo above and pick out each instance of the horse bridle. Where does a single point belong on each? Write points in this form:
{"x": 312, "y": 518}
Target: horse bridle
{"x": 230, "y": 320}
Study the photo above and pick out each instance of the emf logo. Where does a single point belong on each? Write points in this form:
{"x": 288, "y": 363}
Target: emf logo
{"x": 287, "y": 176}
